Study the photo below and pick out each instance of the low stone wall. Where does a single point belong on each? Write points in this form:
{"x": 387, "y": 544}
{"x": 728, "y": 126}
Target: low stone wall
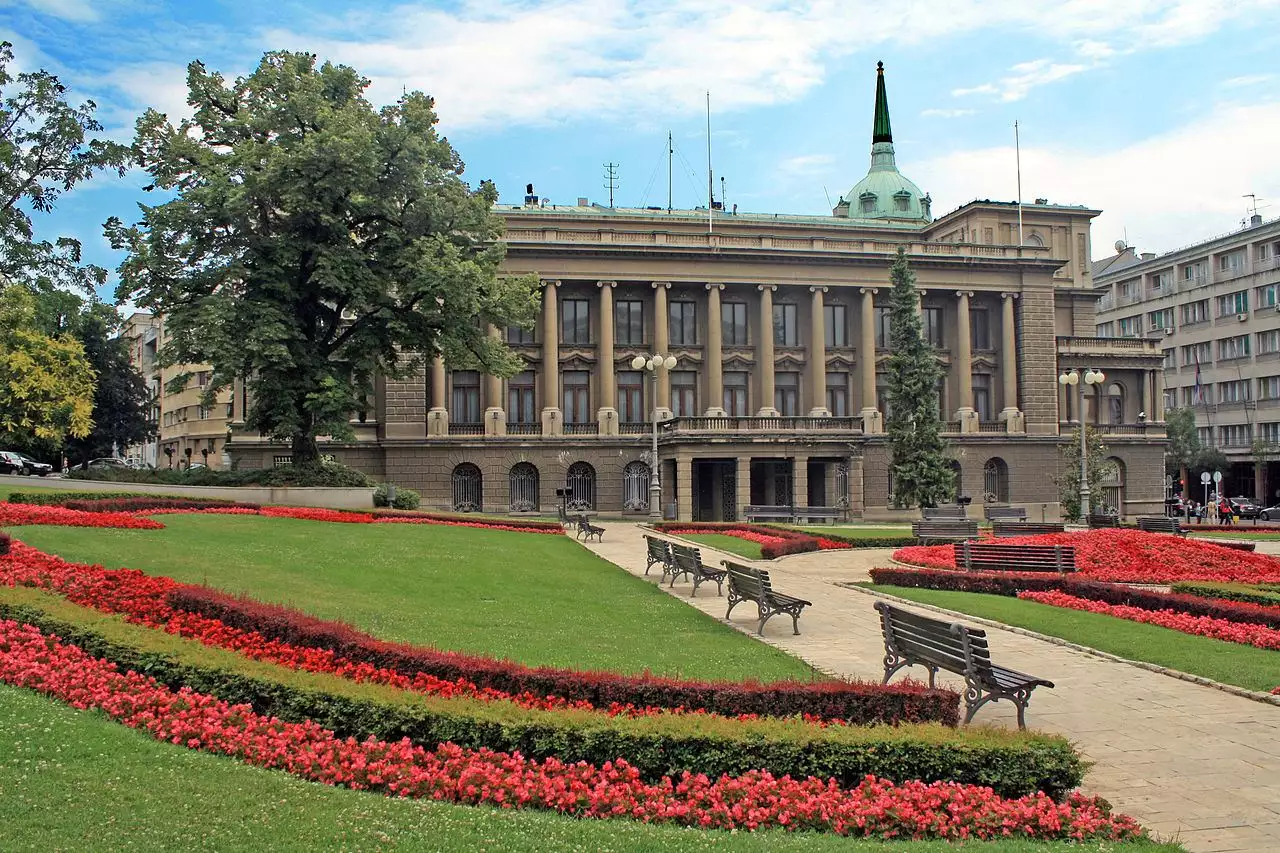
{"x": 317, "y": 496}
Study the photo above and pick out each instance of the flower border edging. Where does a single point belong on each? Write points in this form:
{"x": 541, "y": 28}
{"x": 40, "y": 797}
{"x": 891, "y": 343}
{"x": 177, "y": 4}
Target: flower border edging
{"x": 1265, "y": 698}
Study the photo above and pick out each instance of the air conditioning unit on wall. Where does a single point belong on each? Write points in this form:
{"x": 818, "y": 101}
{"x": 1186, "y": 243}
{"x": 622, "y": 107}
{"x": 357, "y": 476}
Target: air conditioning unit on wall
{"x": 1242, "y": 317}
{"x": 1169, "y": 331}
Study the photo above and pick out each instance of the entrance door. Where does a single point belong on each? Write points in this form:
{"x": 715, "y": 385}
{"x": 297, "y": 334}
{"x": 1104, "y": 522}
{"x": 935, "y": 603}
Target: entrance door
{"x": 715, "y": 496}
{"x": 817, "y": 471}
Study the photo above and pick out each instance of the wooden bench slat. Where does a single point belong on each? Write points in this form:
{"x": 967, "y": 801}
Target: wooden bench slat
{"x": 986, "y": 556}
{"x": 751, "y": 584}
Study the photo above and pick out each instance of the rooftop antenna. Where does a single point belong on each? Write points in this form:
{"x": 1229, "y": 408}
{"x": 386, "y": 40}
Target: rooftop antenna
{"x": 611, "y": 179}
{"x": 710, "y": 180}
{"x": 724, "y": 196}
{"x": 827, "y": 194}
{"x": 671, "y": 150}
{"x": 1017, "y": 149}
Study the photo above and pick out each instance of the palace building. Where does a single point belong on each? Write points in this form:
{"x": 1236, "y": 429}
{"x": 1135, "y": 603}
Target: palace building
{"x": 778, "y": 326}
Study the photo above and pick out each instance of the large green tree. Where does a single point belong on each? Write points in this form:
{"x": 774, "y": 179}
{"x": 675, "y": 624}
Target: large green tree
{"x": 920, "y": 464}
{"x": 1184, "y": 443}
{"x": 1068, "y": 478}
{"x": 314, "y": 242}
{"x": 46, "y": 148}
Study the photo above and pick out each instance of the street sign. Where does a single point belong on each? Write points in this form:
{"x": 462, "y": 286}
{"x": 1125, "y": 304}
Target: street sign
{"x": 1205, "y": 478}
{"x": 1217, "y": 476}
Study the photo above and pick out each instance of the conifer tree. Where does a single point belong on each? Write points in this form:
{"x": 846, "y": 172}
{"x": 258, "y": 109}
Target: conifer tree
{"x": 919, "y": 464}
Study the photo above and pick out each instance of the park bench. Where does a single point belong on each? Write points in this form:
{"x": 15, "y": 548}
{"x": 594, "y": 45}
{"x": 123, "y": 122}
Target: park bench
{"x": 1010, "y": 529}
{"x": 770, "y": 513}
{"x": 987, "y": 557}
{"x": 565, "y": 521}
{"x": 936, "y": 513}
{"x": 1161, "y": 524}
{"x": 819, "y": 513}
{"x": 750, "y": 584}
{"x": 688, "y": 561}
{"x": 1096, "y": 521}
{"x": 658, "y": 553}
{"x": 944, "y": 531}
{"x": 911, "y": 639}
{"x": 1005, "y": 513}
{"x": 586, "y": 530}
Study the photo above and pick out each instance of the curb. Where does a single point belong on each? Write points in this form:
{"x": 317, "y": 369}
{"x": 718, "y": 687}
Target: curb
{"x": 1265, "y": 698}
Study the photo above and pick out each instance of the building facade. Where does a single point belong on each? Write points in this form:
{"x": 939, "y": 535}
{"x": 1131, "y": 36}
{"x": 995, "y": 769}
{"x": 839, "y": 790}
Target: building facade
{"x": 1212, "y": 309}
{"x": 189, "y": 431}
{"x": 779, "y": 328}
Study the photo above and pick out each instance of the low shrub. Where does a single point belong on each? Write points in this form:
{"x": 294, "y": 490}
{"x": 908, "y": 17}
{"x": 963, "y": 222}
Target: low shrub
{"x": 1012, "y": 583}
{"x": 774, "y": 542}
{"x": 327, "y": 475}
{"x": 61, "y": 498}
{"x": 405, "y": 498}
{"x": 1013, "y": 764}
{"x": 1245, "y": 593}
{"x": 854, "y": 702}
{"x": 144, "y": 504}
{"x": 874, "y": 541}
{"x": 5, "y": 543}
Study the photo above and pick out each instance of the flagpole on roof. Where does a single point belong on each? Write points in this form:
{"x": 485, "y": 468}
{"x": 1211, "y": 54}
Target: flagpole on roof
{"x": 710, "y": 179}
{"x": 1017, "y": 153}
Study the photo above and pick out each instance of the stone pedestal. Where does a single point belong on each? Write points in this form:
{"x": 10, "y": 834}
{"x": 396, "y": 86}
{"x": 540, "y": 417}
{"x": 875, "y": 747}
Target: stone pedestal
{"x": 437, "y": 423}
{"x": 607, "y": 418}
{"x": 495, "y": 421}
{"x": 1015, "y": 423}
{"x": 552, "y": 422}
{"x": 968, "y": 419}
{"x": 872, "y": 422}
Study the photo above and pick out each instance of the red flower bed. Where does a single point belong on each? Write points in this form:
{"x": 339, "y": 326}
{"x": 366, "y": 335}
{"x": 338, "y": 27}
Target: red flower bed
{"x": 755, "y": 800}
{"x": 774, "y": 541}
{"x": 12, "y": 515}
{"x": 1203, "y": 626}
{"x": 1130, "y": 556}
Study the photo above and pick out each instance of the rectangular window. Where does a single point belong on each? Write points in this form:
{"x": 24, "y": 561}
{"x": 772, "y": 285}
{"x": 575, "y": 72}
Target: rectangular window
{"x": 1128, "y": 291}
{"x": 1233, "y": 303}
{"x": 1193, "y": 274}
{"x": 1264, "y": 251}
{"x": 1233, "y": 435}
{"x": 1170, "y": 358}
{"x": 577, "y": 396}
{"x": 785, "y": 333}
{"x": 1193, "y": 354}
{"x": 466, "y": 397}
{"x": 941, "y": 391}
{"x": 203, "y": 377}
{"x": 1129, "y": 327}
{"x": 931, "y": 318}
{"x": 683, "y": 328}
{"x": 883, "y": 337}
{"x": 1235, "y": 391}
{"x": 575, "y": 321}
{"x": 982, "y": 396}
{"x": 203, "y": 413}
{"x": 684, "y": 393}
{"x": 1233, "y": 347}
{"x": 1189, "y": 396}
{"x": 835, "y": 323}
{"x": 735, "y": 393}
{"x": 838, "y": 394}
{"x": 1205, "y": 436}
{"x": 1269, "y": 388}
{"x": 1170, "y": 398}
{"x": 733, "y": 324}
{"x": 1231, "y": 263}
{"x": 1105, "y": 330}
{"x": 517, "y": 335}
{"x": 1267, "y": 296}
{"x": 882, "y": 394}
{"x": 628, "y": 322}
{"x": 980, "y": 328}
{"x": 786, "y": 394}
{"x": 1268, "y": 342}
{"x": 520, "y": 392}
{"x": 1195, "y": 312}
{"x": 1161, "y": 282}
{"x": 1160, "y": 320}
{"x": 1269, "y": 433}
{"x": 631, "y": 397}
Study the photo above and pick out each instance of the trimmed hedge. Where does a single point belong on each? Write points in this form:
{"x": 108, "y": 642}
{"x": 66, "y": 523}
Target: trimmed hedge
{"x": 60, "y": 498}
{"x": 854, "y": 702}
{"x": 143, "y": 504}
{"x": 405, "y": 498}
{"x": 467, "y": 520}
{"x": 329, "y": 475}
{"x": 1244, "y": 593}
{"x": 794, "y": 541}
{"x": 5, "y": 543}
{"x": 1013, "y": 764}
{"x": 1011, "y": 583}
{"x": 875, "y": 541}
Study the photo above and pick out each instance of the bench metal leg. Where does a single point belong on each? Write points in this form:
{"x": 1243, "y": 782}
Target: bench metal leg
{"x": 893, "y": 663}
{"x": 733, "y": 602}
{"x": 975, "y": 699}
{"x": 765, "y": 614}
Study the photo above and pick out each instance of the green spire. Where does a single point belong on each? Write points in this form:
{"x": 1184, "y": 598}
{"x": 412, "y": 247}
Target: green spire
{"x": 880, "y": 130}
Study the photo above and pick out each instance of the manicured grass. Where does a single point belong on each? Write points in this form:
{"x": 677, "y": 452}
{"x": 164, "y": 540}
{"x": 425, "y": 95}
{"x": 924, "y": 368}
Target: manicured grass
{"x": 1244, "y": 533}
{"x": 1229, "y": 663}
{"x": 727, "y": 543}
{"x": 534, "y": 598}
{"x": 860, "y": 531}
{"x": 73, "y": 780}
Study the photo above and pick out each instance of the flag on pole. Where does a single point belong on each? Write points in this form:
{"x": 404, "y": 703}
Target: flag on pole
{"x": 1198, "y": 389}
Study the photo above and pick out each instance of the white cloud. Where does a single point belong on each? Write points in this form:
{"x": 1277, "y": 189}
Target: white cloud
{"x": 1247, "y": 80}
{"x": 70, "y": 10}
{"x": 806, "y": 164}
{"x": 1152, "y": 187}
{"x": 161, "y": 86}
{"x": 984, "y": 89}
{"x": 937, "y": 113}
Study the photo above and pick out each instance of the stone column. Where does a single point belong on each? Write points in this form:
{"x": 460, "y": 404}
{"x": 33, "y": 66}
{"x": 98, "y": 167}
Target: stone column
{"x": 764, "y": 352}
{"x": 1157, "y": 394}
{"x": 872, "y": 422}
{"x": 1148, "y": 394}
{"x": 437, "y": 415}
{"x": 800, "y": 481}
{"x": 1011, "y": 415}
{"x": 965, "y": 414}
{"x": 495, "y": 417}
{"x": 607, "y": 415}
{"x": 818, "y": 357}
{"x": 743, "y": 497}
{"x": 683, "y": 494}
{"x": 661, "y": 342}
{"x": 715, "y": 353}
{"x": 552, "y": 417}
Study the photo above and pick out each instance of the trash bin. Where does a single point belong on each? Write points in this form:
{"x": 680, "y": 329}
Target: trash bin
{"x": 669, "y": 512}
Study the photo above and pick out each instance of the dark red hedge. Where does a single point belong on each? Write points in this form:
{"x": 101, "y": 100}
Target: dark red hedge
{"x": 856, "y": 702}
{"x": 4, "y": 543}
{"x": 143, "y": 504}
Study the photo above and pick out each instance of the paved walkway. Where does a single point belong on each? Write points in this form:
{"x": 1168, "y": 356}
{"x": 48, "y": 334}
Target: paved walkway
{"x": 1191, "y": 763}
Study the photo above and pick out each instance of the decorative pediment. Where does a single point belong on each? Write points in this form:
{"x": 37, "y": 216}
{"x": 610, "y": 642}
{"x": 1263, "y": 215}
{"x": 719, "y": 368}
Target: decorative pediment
{"x": 790, "y": 360}
{"x": 986, "y": 362}
{"x": 687, "y": 357}
{"x": 738, "y": 361}
{"x": 841, "y": 360}
{"x": 577, "y": 360}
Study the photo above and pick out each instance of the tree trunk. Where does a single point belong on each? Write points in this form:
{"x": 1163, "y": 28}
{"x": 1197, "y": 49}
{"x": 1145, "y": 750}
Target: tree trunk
{"x": 305, "y": 450}
{"x": 1186, "y": 483}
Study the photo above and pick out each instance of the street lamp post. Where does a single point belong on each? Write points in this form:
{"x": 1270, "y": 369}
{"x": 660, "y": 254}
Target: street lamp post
{"x": 651, "y": 363}
{"x": 1070, "y": 379}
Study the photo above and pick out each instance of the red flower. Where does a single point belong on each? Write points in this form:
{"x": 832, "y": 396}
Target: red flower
{"x": 18, "y": 514}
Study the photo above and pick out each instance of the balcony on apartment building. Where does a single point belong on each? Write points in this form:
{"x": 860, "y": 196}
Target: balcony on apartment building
{"x": 1077, "y": 345}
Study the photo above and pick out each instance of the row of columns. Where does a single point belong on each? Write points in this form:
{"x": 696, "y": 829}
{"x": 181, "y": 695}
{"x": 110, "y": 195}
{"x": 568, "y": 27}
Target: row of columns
{"x": 872, "y": 418}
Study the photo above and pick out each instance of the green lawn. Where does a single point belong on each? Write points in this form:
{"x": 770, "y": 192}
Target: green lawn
{"x": 1229, "y": 663}
{"x": 73, "y": 780}
{"x": 727, "y": 543}
{"x": 1244, "y": 533}
{"x": 539, "y": 599}
{"x": 856, "y": 531}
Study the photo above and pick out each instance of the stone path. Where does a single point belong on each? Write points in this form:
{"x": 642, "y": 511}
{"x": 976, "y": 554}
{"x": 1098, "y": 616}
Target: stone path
{"x": 1192, "y": 763}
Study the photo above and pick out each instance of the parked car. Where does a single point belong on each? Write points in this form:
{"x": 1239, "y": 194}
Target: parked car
{"x": 1244, "y": 507}
{"x": 10, "y": 463}
{"x": 31, "y": 466}
{"x": 1271, "y": 513}
{"x": 107, "y": 462}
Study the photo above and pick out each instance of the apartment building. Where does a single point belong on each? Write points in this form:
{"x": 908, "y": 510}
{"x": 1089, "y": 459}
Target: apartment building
{"x": 779, "y": 328}
{"x": 1212, "y": 309}
{"x": 190, "y": 432}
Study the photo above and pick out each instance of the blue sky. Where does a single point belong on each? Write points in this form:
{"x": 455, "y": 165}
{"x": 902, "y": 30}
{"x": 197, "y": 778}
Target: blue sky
{"x": 1163, "y": 113}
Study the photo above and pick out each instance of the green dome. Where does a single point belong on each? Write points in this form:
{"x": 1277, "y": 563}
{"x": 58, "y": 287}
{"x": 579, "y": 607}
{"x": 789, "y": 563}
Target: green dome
{"x": 885, "y": 193}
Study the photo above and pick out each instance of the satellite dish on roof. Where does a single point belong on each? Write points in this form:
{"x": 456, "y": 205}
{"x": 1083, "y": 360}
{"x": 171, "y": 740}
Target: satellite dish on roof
{"x": 1121, "y": 246}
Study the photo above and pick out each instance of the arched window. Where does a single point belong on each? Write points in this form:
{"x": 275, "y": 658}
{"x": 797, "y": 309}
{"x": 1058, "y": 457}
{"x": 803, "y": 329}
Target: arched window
{"x": 1115, "y": 403}
{"x": 635, "y": 487}
{"x": 1034, "y": 239}
{"x": 467, "y": 485}
{"x": 868, "y": 202}
{"x": 522, "y": 488}
{"x": 582, "y": 480}
{"x": 995, "y": 481}
{"x": 1112, "y": 488}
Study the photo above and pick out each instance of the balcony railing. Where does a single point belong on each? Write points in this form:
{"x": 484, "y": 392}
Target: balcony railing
{"x": 1152, "y": 429}
{"x": 1106, "y": 302}
{"x": 634, "y": 428}
{"x": 763, "y": 424}
{"x": 582, "y": 429}
{"x": 521, "y": 428}
{"x": 1077, "y": 342}
{"x": 466, "y": 429}
{"x": 992, "y": 426}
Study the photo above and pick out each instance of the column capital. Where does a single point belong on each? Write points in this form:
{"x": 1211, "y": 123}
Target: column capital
{"x": 817, "y": 289}
{"x": 1008, "y": 294}
{"x": 664, "y": 285}
{"x": 712, "y": 285}
{"x": 609, "y": 284}
{"x": 550, "y": 282}
{"x": 965, "y": 294}
{"x": 868, "y": 290}
{"x": 769, "y": 287}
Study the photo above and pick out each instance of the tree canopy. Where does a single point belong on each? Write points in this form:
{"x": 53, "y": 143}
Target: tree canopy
{"x": 920, "y": 464}
{"x": 1068, "y": 478}
{"x": 314, "y": 242}
{"x": 46, "y": 148}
